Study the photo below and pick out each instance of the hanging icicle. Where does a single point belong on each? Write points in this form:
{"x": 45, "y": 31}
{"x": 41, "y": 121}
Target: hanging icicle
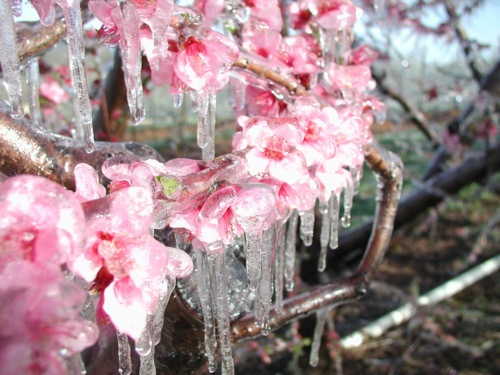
{"x": 219, "y": 289}
{"x": 208, "y": 152}
{"x": 204, "y": 283}
{"x": 167, "y": 288}
{"x": 264, "y": 291}
{"x": 9, "y": 59}
{"x": 279, "y": 265}
{"x": 33, "y": 79}
{"x": 307, "y": 226}
{"x": 75, "y": 365}
{"x": 145, "y": 348}
{"x": 290, "y": 249}
{"x": 76, "y": 50}
{"x": 124, "y": 355}
{"x": 326, "y": 221}
{"x": 334, "y": 208}
{"x": 318, "y": 333}
{"x": 254, "y": 260}
{"x": 132, "y": 61}
{"x": 348, "y": 198}
{"x": 201, "y": 103}
{"x": 178, "y": 100}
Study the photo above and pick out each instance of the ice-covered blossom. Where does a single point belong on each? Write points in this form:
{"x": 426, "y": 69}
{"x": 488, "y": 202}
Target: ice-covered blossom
{"x": 329, "y": 14}
{"x": 124, "y": 261}
{"x": 40, "y": 324}
{"x": 41, "y": 221}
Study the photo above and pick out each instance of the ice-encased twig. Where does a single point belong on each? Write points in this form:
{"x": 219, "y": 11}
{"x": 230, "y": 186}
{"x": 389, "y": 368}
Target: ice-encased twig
{"x": 290, "y": 249}
{"x": 33, "y": 79}
{"x": 76, "y": 50}
{"x": 203, "y": 283}
{"x": 9, "y": 59}
{"x": 307, "y": 226}
{"x": 318, "y": 333}
{"x": 124, "y": 354}
{"x": 218, "y": 274}
{"x": 132, "y": 60}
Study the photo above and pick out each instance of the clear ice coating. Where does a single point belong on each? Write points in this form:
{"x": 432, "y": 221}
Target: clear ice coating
{"x": 216, "y": 263}
{"x": 75, "y": 365}
{"x": 321, "y": 316}
{"x": 290, "y": 249}
{"x": 9, "y": 59}
{"x": 33, "y": 79}
{"x": 167, "y": 288}
{"x": 132, "y": 63}
{"x": 204, "y": 283}
{"x": 124, "y": 355}
{"x": 307, "y": 226}
{"x": 145, "y": 348}
{"x": 83, "y": 111}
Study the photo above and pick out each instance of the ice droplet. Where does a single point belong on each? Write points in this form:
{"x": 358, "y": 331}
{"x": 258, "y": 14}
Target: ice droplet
{"x": 9, "y": 59}
{"x": 124, "y": 355}
{"x": 144, "y": 343}
{"x": 324, "y": 235}
{"x": 290, "y": 249}
{"x": 132, "y": 64}
{"x": 318, "y": 333}
{"x": 254, "y": 260}
{"x": 208, "y": 152}
{"x": 279, "y": 264}
{"x": 204, "y": 283}
{"x": 76, "y": 51}
{"x": 307, "y": 226}
{"x": 218, "y": 274}
{"x": 33, "y": 80}
{"x": 334, "y": 208}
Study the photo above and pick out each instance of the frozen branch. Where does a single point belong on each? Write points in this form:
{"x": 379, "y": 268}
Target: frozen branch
{"x": 388, "y": 169}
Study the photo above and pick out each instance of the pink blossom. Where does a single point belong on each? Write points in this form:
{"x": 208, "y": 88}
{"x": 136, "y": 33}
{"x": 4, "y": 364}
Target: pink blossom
{"x": 41, "y": 221}
{"x": 363, "y": 55}
{"x": 45, "y": 10}
{"x": 271, "y": 152}
{"x": 331, "y": 177}
{"x": 301, "y": 53}
{"x": 210, "y": 9}
{"x": 52, "y": 90}
{"x": 348, "y": 77}
{"x": 329, "y": 14}
{"x": 39, "y": 319}
{"x": 267, "y": 11}
{"x": 203, "y": 62}
{"x": 261, "y": 102}
{"x": 119, "y": 243}
{"x": 87, "y": 183}
{"x": 258, "y": 38}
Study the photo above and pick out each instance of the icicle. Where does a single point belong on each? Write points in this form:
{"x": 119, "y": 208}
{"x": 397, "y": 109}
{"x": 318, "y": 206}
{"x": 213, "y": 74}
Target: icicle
{"x": 279, "y": 264}
{"x": 290, "y": 249}
{"x": 132, "y": 61}
{"x": 145, "y": 348}
{"x": 219, "y": 289}
{"x": 334, "y": 208}
{"x": 356, "y": 175}
{"x": 202, "y": 107}
{"x": 254, "y": 260}
{"x": 318, "y": 333}
{"x": 307, "y": 226}
{"x": 124, "y": 355}
{"x": 207, "y": 307}
{"x": 208, "y": 152}
{"x": 264, "y": 292}
{"x": 9, "y": 59}
{"x": 33, "y": 79}
{"x": 178, "y": 100}
{"x": 237, "y": 100}
{"x": 326, "y": 220}
{"x": 348, "y": 197}
{"x": 167, "y": 287}
{"x": 76, "y": 50}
